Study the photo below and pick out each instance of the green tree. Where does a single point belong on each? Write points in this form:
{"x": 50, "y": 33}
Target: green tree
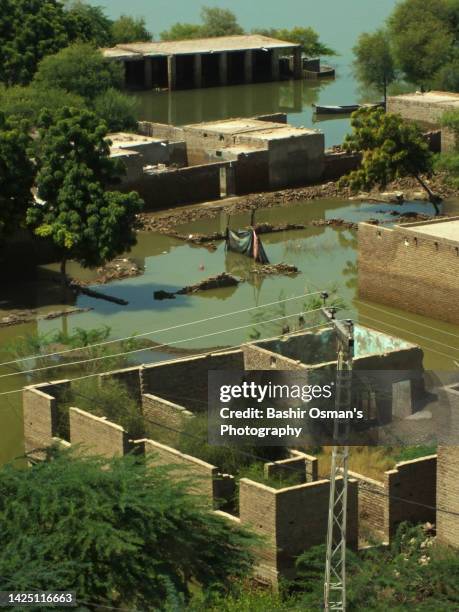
{"x": 219, "y": 22}
{"x": 28, "y": 101}
{"x": 308, "y": 38}
{"x": 374, "y": 64}
{"x": 117, "y": 531}
{"x": 391, "y": 148}
{"x": 215, "y": 22}
{"x": 449, "y": 162}
{"x": 79, "y": 69}
{"x": 29, "y": 30}
{"x": 182, "y": 31}
{"x": 129, "y": 29}
{"x": 89, "y": 24}
{"x": 79, "y": 215}
{"x": 447, "y": 77}
{"x": 118, "y": 110}
{"x": 16, "y": 174}
{"x": 424, "y": 37}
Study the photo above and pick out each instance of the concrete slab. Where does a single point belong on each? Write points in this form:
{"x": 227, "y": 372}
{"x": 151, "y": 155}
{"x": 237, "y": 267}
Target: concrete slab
{"x": 448, "y": 229}
{"x": 202, "y": 45}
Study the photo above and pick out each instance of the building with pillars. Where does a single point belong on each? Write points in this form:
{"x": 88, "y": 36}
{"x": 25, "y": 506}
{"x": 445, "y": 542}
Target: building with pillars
{"x": 207, "y": 62}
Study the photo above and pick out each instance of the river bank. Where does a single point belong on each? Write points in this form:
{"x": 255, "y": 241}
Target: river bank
{"x": 397, "y": 192}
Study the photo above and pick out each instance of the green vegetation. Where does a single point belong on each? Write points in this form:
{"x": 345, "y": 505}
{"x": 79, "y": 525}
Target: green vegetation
{"x": 29, "y": 30}
{"x": 215, "y": 22}
{"x": 88, "y": 23}
{"x": 128, "y": 30}
{"x": 449, "y": 162}
{"x": 414, "y": 573}
{"x": 222, "y": 22}
{"x": 374, "y": 63}
{"x": 391, "y": 148}
{"x": 230, "y": 460}
{"x": 78, "y": 69}
{"x": 16, "y": 174}
{"x": 424, "y": 37}
{"x": 116, "y": 531}
{"x": 308, "y": 38}
{"x": 78, "y": 345}
{"x": 420, "y": 41}
{"x": 111, "y": 399}
{"x": 83, "y": 219}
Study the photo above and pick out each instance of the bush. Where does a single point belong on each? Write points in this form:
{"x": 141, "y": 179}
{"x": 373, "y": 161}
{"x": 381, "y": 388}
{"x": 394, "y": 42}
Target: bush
{"x": 118, "y": 110}
{"x": 229, "y": 459}
{"x": 110, "y": 399}
{"x": 79, "y": 69}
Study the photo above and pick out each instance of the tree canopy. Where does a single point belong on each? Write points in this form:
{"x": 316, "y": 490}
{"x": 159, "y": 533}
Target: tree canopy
{"x": 85, "y": 220}
{"x": 116, "y": 531}
{"x": 308, "y": 38}
{"x": 79, "y": 69}
{"x": 215, "y": 22}
{"x": 449, "y": 162}
{"x": 88, "y": 23}
{"x": 29, "y": 30}
{"x": 374, "y": 63}
{"x": 128, "y": 29}
{"x": 391, "y": 148}
{"x": 16, "y": 174}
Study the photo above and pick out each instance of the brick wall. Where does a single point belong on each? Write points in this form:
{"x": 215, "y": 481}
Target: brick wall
{"x": 39, "y": 404}
{"x": 296, "y": 160}
{"x": 415, "y": 481}
{"x": 160, "y": 412}
{"x": 339, "y": 163}
{"x": 290, "y": 520}
{"x": 181, "y": 380}
{"x": 160, "y": 130}
{"x": 400, "y": 268}
{"x": 202, "y": 477}
{"x": 175, "y": 186}
{"x": 95, "y": 435}
{"x": 258, "y": 358}
{"x": 371, "y": 504}
{"x": 306, "y": 466}
{"x": 448, "y": 495}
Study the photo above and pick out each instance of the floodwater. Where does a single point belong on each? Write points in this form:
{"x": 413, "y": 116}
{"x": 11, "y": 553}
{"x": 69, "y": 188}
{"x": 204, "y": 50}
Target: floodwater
{"x": 338, "y": 24}
{"x": 325, "y": 256}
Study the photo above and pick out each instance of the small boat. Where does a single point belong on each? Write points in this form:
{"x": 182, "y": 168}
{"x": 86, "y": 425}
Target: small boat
{"x": 343, "y": 110}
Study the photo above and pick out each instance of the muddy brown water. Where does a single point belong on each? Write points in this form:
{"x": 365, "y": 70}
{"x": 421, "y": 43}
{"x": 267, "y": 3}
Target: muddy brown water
{"x": 326, "y": 257}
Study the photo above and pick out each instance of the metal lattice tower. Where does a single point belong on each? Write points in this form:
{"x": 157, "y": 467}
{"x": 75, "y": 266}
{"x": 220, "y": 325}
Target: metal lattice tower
{"x": 335, "y": 564}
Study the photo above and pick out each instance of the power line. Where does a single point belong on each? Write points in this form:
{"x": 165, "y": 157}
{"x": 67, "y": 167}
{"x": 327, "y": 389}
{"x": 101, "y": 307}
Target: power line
{"x": 203, "y": 354}
{"x": 157, "y": 331}
{"x": 155, "y": 348}
{"x": 416, "y": 335}
{"x": 393, "y": 314}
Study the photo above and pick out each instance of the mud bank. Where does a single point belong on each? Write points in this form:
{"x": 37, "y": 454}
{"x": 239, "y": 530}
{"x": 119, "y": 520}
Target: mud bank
{"x": 395, "y": 192}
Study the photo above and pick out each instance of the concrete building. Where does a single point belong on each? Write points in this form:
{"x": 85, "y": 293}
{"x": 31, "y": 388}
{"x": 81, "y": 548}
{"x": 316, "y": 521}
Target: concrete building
{"x": 171, "y": 165}
{"x": 412, "y": 266}
{"x": 207, "y": 62}
{"x": 427, "y": 109}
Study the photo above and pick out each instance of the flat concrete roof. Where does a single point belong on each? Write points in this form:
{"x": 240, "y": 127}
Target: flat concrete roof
{"x": 199, "y": 45}
{"x": 121, "y": 140}
{"x": 260, "y": 129}
{"x": 441, "y": 98}
{"x": 445, "y": 229}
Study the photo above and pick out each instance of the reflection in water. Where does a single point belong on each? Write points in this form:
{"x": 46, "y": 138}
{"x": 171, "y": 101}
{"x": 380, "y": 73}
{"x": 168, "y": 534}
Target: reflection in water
{"x": 326, "y": 257}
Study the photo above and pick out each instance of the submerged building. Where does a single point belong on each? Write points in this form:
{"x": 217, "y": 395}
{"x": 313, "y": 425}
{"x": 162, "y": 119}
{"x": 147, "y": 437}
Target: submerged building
{"x": 207, "y": 62}
{"x": 412, "y": 266}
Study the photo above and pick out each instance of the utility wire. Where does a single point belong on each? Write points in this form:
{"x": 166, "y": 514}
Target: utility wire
{"x": 413, "y": 322}
{"x": 413, "y": 334}
{"x": 157, "y": 331}
{"x": 207, "y": 352}
{"x": 155, "y": 348}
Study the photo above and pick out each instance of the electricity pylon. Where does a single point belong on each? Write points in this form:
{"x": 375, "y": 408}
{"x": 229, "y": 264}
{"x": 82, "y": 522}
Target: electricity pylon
{"x": 335, "y": 563}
